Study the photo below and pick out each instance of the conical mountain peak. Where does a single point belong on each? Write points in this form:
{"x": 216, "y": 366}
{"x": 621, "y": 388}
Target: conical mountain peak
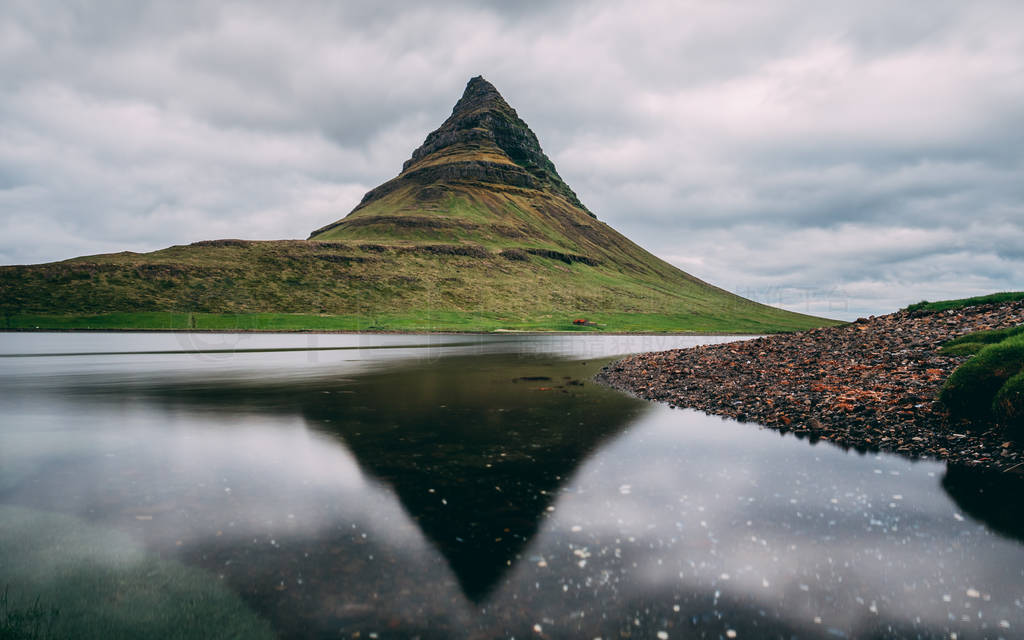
{"x": 484, "y": 147}
{"x": 483, "y": 127}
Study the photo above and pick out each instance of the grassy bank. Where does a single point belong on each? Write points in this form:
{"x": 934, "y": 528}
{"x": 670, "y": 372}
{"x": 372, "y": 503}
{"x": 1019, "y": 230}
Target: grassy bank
{"x": 991, "y": 383}
{"x": 318, "y": 286}
{"x": 960, "y": 303}
{"x": 974, "y": 342}
{"x": 422, "y": 321}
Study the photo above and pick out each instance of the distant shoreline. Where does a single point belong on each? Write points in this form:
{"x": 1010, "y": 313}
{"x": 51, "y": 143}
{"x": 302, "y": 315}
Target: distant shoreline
{"x": 498, "y": 332}
{"x": 543, "y": 322}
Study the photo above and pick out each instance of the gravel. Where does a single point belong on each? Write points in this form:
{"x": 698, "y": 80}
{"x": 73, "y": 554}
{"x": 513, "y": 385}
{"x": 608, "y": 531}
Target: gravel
{"x": 871, "y": 385}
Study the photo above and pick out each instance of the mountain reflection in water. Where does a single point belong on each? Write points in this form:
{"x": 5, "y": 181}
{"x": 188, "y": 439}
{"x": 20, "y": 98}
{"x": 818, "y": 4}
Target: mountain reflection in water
{"x": 492, "y": 495}
{"x": 475, "y": 448}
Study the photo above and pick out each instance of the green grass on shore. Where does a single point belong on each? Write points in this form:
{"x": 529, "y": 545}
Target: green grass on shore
{"x": 990, "y": 384}
{"x": 296, "y": 285}
{"x": 1008, "y": 403}
{"x": 420, "y": 321}
{"x": 944, "y": 305}
{"x": 974, "y": 342}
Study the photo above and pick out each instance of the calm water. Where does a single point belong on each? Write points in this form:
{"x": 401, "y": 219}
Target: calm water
{"x": 459, "y": 486}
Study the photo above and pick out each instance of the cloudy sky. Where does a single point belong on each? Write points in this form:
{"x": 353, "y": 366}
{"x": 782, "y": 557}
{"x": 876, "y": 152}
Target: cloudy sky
{"x": 838, "y": 158}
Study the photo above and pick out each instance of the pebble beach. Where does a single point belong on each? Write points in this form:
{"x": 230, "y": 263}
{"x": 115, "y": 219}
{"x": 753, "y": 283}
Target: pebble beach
{"x": 871, "y": 385}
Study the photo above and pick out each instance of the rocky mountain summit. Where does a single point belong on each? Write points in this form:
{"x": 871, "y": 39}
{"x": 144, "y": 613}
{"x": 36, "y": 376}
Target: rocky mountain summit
{"x": 480, "y": 121}
{"x": 484, "y": 141}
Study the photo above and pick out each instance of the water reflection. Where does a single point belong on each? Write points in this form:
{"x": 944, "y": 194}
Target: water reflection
{"x": 474, "y": 448}
{"x": 991, "y": 497}
{"x": 497, "y": 495}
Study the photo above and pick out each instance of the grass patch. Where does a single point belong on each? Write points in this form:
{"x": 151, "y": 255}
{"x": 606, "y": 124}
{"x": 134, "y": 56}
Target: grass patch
{"x": 944, "y": 305}
{"x": 391, "y": 266}
{"x": 1008, "y": 404}
{"x": 990, "y": 384}
{"x": 974, "y": 342}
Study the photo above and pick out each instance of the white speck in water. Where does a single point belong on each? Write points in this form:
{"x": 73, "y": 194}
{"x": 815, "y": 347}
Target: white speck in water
{"x": 675, "y": 608}
{"x": 663, "y": 635}
{"x": 730, "y": 633}
{"x": 537, "y": 628}
{"x": 625, "y": 489}
{"x": 1005, "y": 624}
{"x": 973, "y": 593}
{"x": 724, "y": 576}
{"x": 817, "y": 619}
{"x": 443, "y": 501}
{"x": 765, "y": 583}
{"x": 897, "y": 496}
{"x": 947, "y": 598}
{"x": 577, "y": 528}
{"x": 958, "y": 517}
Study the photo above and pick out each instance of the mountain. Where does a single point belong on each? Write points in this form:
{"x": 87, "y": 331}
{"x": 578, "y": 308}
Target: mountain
{"x": 477, "y": 232}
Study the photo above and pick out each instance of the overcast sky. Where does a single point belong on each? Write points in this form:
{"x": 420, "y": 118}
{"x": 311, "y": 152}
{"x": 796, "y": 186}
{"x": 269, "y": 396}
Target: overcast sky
{"x": 838, "y": 158}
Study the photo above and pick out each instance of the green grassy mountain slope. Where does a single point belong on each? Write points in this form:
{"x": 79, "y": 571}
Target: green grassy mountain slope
{"x": 478, "y": 232}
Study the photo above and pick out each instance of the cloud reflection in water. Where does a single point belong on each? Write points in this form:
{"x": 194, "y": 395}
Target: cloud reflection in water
{"x": 492, "y": 495}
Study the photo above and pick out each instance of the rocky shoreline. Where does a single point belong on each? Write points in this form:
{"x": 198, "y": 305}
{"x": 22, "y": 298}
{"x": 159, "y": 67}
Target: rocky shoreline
{"x": 870, "y": 385}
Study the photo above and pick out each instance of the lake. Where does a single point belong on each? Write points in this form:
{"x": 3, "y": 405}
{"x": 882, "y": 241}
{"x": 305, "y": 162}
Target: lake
{"x": 457, "y": 486}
